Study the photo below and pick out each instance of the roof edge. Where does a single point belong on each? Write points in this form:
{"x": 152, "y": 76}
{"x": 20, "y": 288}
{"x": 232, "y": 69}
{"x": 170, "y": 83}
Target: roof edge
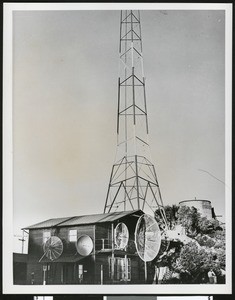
{"x": 70, "y": 218}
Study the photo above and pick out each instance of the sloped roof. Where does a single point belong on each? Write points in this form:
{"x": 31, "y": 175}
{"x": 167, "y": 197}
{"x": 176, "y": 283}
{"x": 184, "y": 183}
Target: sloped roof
{"x": 81, "y": 220}
{"x": 47, "y": 223}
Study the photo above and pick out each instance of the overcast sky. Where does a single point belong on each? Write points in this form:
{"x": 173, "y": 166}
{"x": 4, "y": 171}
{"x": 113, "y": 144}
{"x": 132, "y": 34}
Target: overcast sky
{"x": 65, "y": 70}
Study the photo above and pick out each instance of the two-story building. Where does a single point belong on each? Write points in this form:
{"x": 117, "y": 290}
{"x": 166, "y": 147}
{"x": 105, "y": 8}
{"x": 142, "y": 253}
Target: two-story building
{"x": 109, "y": 248}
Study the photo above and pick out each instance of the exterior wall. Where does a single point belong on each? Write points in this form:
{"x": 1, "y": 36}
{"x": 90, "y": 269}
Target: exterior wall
{"x": 19, "y": 272}
{"x": 104, "y": 231}
{"x": 137, "y": 275}
{"x": 65, "y": 269}
{"x": 19, "y": 268}
{"x": 67, "y": 273}
{"x": 35, "y": 248}
{"x": 34, "y": 273}
{"x": 137, "y": 270}
{"x": 70, "y": 247}
{"x": 72, "y": 268}
{"x": 103, "y": 236}
{"x": 203, "y": 206}
{"x": 102, "y": 260}
{"x": 61, "y": 272}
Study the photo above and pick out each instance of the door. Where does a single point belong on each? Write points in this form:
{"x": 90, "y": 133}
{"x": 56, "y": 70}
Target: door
{"x": 122, "y": 268}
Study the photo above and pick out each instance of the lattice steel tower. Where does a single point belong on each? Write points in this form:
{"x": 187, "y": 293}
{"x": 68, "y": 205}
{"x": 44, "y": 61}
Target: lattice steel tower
{"x": 133, "y": 182}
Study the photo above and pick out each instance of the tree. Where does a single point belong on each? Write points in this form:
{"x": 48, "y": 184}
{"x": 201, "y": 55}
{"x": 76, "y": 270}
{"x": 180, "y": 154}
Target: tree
{"x": 189, "y": 217}
{"x": 206, "y": 250}
{"x": 196, "y": 261}
{"x": 205, "y": 240}
{"x": 208, "y": 225}
{"x": 171, "y": 215}
{"x": 169, "y": 256}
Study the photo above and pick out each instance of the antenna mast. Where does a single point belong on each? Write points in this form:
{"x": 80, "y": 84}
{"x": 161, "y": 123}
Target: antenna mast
{"x": 133, "y": 181}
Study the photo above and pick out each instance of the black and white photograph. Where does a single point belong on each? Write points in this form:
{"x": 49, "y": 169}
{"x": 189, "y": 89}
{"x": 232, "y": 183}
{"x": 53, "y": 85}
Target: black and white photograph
{"x": 117, "y": 149}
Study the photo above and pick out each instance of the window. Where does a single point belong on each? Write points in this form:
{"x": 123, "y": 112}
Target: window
{"x": 121, "y": 268}
{"x": 46, "y": 235}
{"x": 72, "y": 235}
{"x": 80, "y": 273}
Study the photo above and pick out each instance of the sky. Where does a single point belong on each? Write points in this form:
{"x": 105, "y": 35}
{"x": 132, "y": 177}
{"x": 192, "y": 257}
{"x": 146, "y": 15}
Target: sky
{"x": 65, "y": 74}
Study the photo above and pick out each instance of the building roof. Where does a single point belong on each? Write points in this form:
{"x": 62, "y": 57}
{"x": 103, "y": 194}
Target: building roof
{"x": 81, "y": 220}
{"x": 195, "y": 200}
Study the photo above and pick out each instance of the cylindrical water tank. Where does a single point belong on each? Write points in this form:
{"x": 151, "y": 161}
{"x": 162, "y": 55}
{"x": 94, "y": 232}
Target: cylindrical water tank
{"x": 202, "y": 206}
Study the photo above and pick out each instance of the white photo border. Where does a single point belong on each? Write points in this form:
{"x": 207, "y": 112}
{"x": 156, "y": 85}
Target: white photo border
{"x": 8, "y": 286}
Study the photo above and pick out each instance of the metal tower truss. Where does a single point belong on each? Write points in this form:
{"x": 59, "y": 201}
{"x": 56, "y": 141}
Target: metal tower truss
{"x": 133, "y": 181}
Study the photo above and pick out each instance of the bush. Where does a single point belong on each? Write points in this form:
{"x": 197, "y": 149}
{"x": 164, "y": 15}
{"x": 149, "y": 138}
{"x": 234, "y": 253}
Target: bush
{"x": 197, "y": 261}
{"x": 206, "y": 250}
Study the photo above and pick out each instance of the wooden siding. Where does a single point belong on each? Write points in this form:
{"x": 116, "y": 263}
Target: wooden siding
{"x": 34, "y": 273}
{"x": 136, "y": 266}
{"x": 67, "y": 273}
{"x": 61, "y": 273}
{"x": 103, "y": 236}
{"x": 19, "y": 272}
{"x": 65, "y": 270}
{"x": 104, "y": 231}
{"x": 70, "y": 247}
{"x": 35, "y": 248}
{"x": 102, "y": 260}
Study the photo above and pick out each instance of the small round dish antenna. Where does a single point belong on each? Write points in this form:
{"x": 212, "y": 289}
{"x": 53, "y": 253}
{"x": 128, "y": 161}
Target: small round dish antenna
{"x": 147, "y": 238}
{"x": 121, "y": 235}
{"x": 84, "y": 245}
{"x": 53, "y": 248}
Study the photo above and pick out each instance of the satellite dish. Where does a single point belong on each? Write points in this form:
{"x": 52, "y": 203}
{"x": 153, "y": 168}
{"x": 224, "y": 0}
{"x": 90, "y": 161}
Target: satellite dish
{"x": 84, "y": 245}
{"x": 121, "y": 235}
{"x": 53, "y": 248}
{"x": 147, "y": 238}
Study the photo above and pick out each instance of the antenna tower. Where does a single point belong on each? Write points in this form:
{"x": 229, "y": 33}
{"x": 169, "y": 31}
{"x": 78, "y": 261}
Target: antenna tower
{"x": 133, "y": 181}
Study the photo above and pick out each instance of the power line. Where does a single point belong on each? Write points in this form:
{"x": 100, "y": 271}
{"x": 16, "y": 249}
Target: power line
{"x": 213, "y": 176}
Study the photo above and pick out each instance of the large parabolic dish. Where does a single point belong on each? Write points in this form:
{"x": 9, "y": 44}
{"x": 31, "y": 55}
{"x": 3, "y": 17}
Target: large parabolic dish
{"x": 147, "y": 238}
{"x": 53, "y": 248}
{"x": 121, "y": 236}
{"x": 84, "y": 245}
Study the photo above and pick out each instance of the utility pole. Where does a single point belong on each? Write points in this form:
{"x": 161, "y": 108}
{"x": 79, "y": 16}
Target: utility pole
{"x": 22, "y": 239}
{"x": 133, "y": 182}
